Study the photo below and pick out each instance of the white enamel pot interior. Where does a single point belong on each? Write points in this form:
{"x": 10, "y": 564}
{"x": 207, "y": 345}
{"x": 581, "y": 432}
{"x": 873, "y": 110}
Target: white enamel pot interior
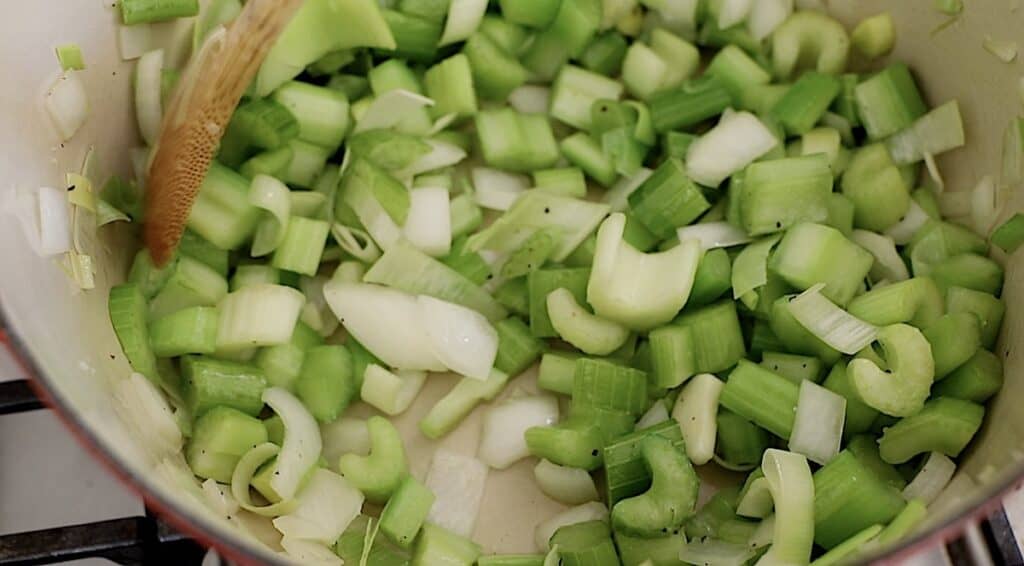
{"x": 65, "y": 338}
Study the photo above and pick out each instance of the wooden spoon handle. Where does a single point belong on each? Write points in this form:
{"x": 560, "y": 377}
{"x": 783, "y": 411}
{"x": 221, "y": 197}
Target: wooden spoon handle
{"x": 198, "y": 114}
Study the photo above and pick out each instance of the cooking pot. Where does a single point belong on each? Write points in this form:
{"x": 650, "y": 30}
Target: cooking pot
{"x": 64, "y": 336}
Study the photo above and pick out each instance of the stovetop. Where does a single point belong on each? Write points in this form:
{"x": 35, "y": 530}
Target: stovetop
{"x": 59, "y": 506}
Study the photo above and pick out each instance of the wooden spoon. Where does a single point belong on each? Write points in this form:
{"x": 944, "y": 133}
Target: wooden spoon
{"x": 195, "y": 120}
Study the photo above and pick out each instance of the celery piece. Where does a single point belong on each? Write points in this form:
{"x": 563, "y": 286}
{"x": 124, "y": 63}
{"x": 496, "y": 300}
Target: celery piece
{"x": 530, "y": 13}
{"x": 352, "y": 86}
{"x": 780, "y": 193}
{"x": 763, "y": 338}
{"x": 859, "y": 416}
{"x": 713, "y": 278}
{"x": 971, "y": 271}
{"x": 380, "y": 473}
{"x": 917, "y": 301}
{"x": 70, "y": 57}
{"x": 351, "y": 546}
{"x": 148, "y": 11}
{"x": 667, "y": 200}
{"x": 625, "y": 471}
{"x": 577, "y": 440}
{"x": 540, "y": 283}
{"x": 954, "y": 339}
{"x": 432, "y": 10}
{"x": 845, "y": 104}
{"x": 671, "y": 498}
{"x": 308, "y": 161}
{"x": 805, "y": 102}
{"x": 692, "y": 103}
{"x": 265, "y": 123}
{"x": 643, "y": 71}
{"x": 509, "y": 36}
{"x": 897, "y": 384}
{"x": 625, "y": 152}
{"x": 466, "y": 216}
{"x": 302, "y": 247}
{"x": 944, "y": 425}
{"x": 210, "y": 383}
{"x": 889, "y": 101}
{"x": 937, "y": 241}
{"x": 849, "y": 548}
{"x": 605, "y": 54}
{"x": 437, "y": 545}
{"x": 219, "y": 439}
{"x": 188, "y": 331}
{"x": 532, "y": 253}
{"x": 322, "y": 114}
{"x": 737, "y": 70}
{"x": 814, "y": 253}
{"x": 282, "y": 363}
{"x": 408, "y": 269}
{"x": 976, "y": 380}
{"x": 511, "y": 560}
{"x": 127, "y": 310}
{"x": 1010, "y": 234}
{"x": 683, "y": 56}
{"x": 325, "y": 384}
{"x": 514, "y": 141}
{"x": 841, "y": 212}
{"x": 609, "y": 386}
{"x": 496, "y": 72}
{"x": 849, "y": 497}
{"x": 574, "y": 92}
{"x": 273, "y": 162}
{"x": 331, "y": 63}
{"x": 716, "y": 336}
{"x": 450, "y": 84}
{"x": 584, "y": 152}
{"x": 416, "y": 38}
{"x": 739, "y": 443}
{"x": 879, "y": 194}
{"x": 761, "y": 396}
{"x": 565, "y": 181}
{"x": 222, "y": 213}
{"x": 874, "y": 36}
{"x": 406, "y": 512}
{"x": 793, "y": 367}
{"x": 514, "y": 296}
{"x": 556, "y": 372}
{"x": 987, "y": 308}
{"x": 914, "y": 513}
{"x": 577, "y": 326}
{"x": 467, "y": 263}
{"x": 809, "y": 39}
{"x": 518, "y": 348}
{"x": 676, "y": 144}
{"x": 191, "y": 284}
{"x": 587, "y": 543}
{"x": 672, "y": 355}
{"x": 149, "y": 278}
{"x": 387, "y": 149}
{"x": 572, "y": 29}
{"x": 865, "y": 448}
{"x": 449, "y": 411}
{"x": 661, "y": 551}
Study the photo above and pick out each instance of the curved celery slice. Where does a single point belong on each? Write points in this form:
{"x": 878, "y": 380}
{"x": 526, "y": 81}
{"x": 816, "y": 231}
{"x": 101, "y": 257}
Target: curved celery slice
{"x": 380, "y": 473}
{"x": 916, "y": 301}
{"x": 900, "y": 389}
{"x": 810, "y": 36}
{"x": 639, "y": 290}
{"x": 792, "y": 488}
{"x": 590, "y": 333}
{"x": 672, "y": 495}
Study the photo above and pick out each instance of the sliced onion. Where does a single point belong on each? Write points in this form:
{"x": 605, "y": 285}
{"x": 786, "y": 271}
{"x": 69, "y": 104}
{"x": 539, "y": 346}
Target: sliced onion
{"x": 148, "y": 108}
{"x": 618, "y": 196}
{"x": 346, "y": 435}
{"x": 502, "y": 439}
{"x": 316, "y": 312}
{"x": 938, "y": 469}
{"x": 933, "y": 172}
{"x": 386, "y": 321}
{"x": 245, "y": 469}
{"x": 711, "y": 552}
{"x": 54, "y": 221}
{"x": 458, "y": 485}
{"x": 593, "y": 511}
{"x": 390, "y": 108}
{"x": 983, "y": 206}
{"x": 888, "y": 264}
{"x": 696, "y": 412}
{"x": 818, "y": 426}
{"x": 273, "y": 196}
{"x": 441, "y": 154}
{"x": 903, "y": 231}
{"x": 442, "y": 123}
{"x": 497, "y": 190}
{"x": 219, "y": 500}
{"x": 309, "y": 553}
{"x": 750, "y": 269}
{"x": 428, "y": 225}
{"x": 657, "y": 414}
{"x": 147, "y": 410}
{"x": 735, "y": 142}
{"x": 766, "y": 15}
{"x": 713, "y": 235}
{"x": 955, "y": 204}
{"x": 302, "y": 444}
{"x": 530, "y": 99}
{"x": 572, "y": 486}
{"x": 67, "y": 104}
{"x": 355, "y": 242}
{"x": 831, "y": 324}
{"x": 134, "y": 41}
{"x": 464, "y": 16}
{"x": 324, "y": 509}
{"x": 732, "y": 12}
{"x": 460, "y": 337}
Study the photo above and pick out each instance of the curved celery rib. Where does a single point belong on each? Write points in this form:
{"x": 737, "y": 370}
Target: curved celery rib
{"x": 792, "y": 488}
{"x": 902, "y": 387}
{"x": 944, "y": 425}
{"x": 379, "y": 474}
{"x": 672, "y": 495}
{"x": 809, "y": 36}
{"x": 575, "y": 442}
{"x": 590, "y": 333}
{"x": 636, "y": 289}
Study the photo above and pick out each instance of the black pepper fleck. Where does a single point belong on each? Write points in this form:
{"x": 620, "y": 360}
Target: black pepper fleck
{"x": 594, "y": 452}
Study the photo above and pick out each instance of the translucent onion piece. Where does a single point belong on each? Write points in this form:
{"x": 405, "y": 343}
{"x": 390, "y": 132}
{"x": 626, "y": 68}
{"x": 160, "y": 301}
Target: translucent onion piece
{"x": 134, "y": 41}
{"x": 571, "y": 486}
{"x": 324, "y": 509}
{"x": 346, "y": 435}
{"x": 530, "y": 99}
{"x": 903, "y": 231}
{"x": 302, "y": 443}
{"x": 595, "y": 510}
{"x": 242, "y": 477}
{"x": 147, "y": 409}
{"x": 464, "y": 16}
{"x": 309, "y": 553}
{"x": 355, "y": 242}
{"x": 502, "y": 439}
{"x": 888, "y": 264}
{"x": 938, "y": 469}
{"x": 657, "y": 414}
{"x": 273, "y": 196}
{"x": 818, "y": 426}
{"x": 54, "y": 221}
{"x": 148, "y": 108}
{"x": 263, "y": 314}
{"x": 67, "y": 105}
{"x": 441, "y": 154}
{"x": 618, "y": 196}
{"x": 497, "y": 190}
{"x": 390, "y": 108}
{"x": 714, "y": 235}
{"x": 428, "y": 226}
{"x": 983, "y": 206}
{"x": 735, "y": 142}
{"x": 955, "y": 204}
{"x": 766, "y": 15}
{"x": 831, "y": 324}
{"x": 458, "y": 485}
{"x": 460, "y": 337}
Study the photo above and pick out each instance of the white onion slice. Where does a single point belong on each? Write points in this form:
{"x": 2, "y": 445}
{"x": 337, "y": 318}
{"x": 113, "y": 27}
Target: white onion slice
{"x": 273, "y": 196}
{"x": 530, "y": 99}
{"x": 458, "y": 484}
{"x": 464, "y": 16}
{"x": 818, "y": 426}
{"x": 593, "y": 511}
{"x": 390, "y": 108}
{"x": 441, "y": 154}
{"x": 324, "y": 509}
{"x": 241, "y": 477}
{"x": 735, "y": 142}
{"x": 302, "y": 443}
{"x": 831, "y": 324}
{"x": 54, "y": 216}
{"x": 355, "y": 242}
{"x": 67, "y": 104}
{"x": 502, "y": 439}
{"x": 713, "y": 235}
{"x": 148, "y": 108}
{"x": 618, "y": 196}
{"x": 346, "y": 435}
{"x": 497, "y": 190}
{"x": 428, "y": 225}
{"x": 460, "y": 337}
{"x": 572, "y": 486}
{"x": 983, "y": 206}
{"x": 766, "y": 15}
{"x": 903, "y": 231}
{"x": 732, "y": 12}
{"x": 657, "y": 414}
{"x": 133, "y": 41}
{"x": 888, "y": 264}
{"x": 696, "y": 412}
{"x": 938, "y": 469}
{"x": 954, "y": 204}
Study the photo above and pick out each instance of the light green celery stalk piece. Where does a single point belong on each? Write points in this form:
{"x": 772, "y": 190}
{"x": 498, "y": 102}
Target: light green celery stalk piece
{"x": 901, "y": 388}
{"x": 809, "y": 36}
{"x": 750, "y": 270}
{"x": 640, "y": 291}
{"x": 792, "y": 488}
{"x": 590, "y": 333}
{"x": 671, "y": 497}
